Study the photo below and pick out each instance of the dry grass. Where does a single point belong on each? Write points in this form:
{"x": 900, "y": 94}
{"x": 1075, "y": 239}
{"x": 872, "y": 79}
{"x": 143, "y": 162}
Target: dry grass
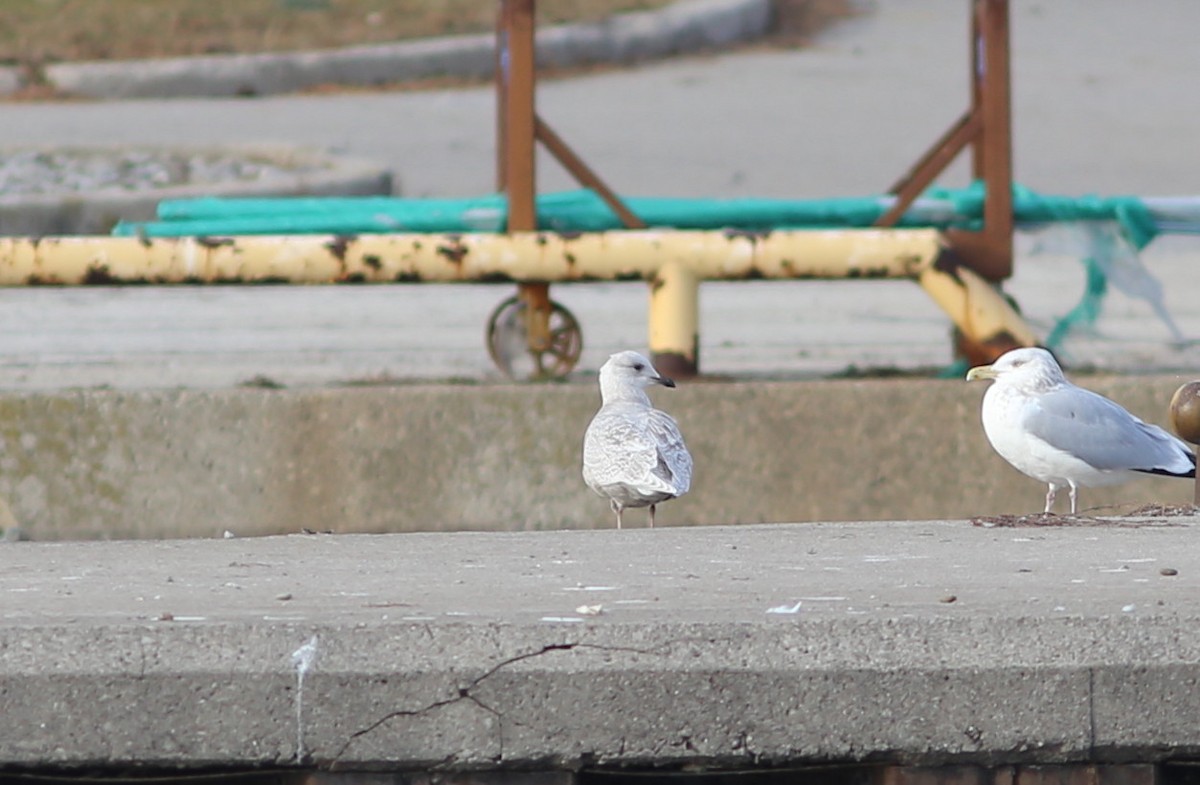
{"x": 34, "y": 32}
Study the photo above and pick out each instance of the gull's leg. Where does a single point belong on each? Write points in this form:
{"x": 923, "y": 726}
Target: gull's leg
{"x": 651, "y": 516}
{"x": 617, "y": 509}
{"x": 1074, "y": 488}
{"x": 1050, "y": 494}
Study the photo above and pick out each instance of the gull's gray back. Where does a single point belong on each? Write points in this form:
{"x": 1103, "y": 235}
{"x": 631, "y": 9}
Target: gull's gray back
{"x": 1101, "y": 433}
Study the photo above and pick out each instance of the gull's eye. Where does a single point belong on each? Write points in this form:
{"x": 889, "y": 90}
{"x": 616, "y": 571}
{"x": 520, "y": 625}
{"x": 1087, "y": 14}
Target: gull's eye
{"x": 639, "y": 367}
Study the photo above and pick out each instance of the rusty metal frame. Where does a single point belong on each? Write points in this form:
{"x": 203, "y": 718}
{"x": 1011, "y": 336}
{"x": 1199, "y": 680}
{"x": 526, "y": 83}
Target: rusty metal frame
{"x": 987, "y": 128}
{"x": 518, "y": 129}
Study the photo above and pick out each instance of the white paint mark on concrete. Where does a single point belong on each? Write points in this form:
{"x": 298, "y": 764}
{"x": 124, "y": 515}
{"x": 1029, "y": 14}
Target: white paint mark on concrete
{"x": 303, "y": 659}
{"x": 786, "y": 608}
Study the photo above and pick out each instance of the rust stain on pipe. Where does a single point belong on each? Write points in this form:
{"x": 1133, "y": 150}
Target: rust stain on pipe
{"x": 520, "y": 256}
{"x": 975, "y": 307}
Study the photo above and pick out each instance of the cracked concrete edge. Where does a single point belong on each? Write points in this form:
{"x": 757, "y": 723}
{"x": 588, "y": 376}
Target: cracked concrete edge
{"x": 322, "y": 173}
{"x": 389, "y": 696}
{"x": 685, "y": 26}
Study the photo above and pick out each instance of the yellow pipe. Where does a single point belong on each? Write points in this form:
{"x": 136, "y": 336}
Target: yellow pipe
{"x": 976, "y": 307}
{"x": 674, "y": 320}
{"x": 524, "y": 256}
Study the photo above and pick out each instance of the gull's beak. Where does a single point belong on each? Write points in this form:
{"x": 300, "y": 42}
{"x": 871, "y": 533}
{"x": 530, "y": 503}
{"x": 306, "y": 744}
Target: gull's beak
{"x": 665, "y": 382}
{"x": 981, "y": 372}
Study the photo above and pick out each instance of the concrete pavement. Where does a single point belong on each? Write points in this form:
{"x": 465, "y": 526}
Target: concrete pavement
{"x": 738, "y": 647}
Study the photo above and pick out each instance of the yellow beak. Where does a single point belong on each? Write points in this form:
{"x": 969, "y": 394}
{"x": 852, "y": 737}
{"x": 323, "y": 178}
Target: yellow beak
{"x": 981, "y": 372}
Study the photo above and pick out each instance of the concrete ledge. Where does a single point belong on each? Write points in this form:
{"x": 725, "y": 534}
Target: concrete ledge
{"x": 686, "y": 26}
{"x": 921, "y": 643}
{"x": 104, "y": 464}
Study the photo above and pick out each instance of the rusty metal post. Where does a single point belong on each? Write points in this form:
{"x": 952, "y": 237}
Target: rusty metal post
{"x": 987, "y": 128}
{"x": 674, "y": 322}
{"x": 989, "y": 251}
{"x": 997, "y": 138}
{"x": 516, "y": 169}
{"x": 516, "y": 102}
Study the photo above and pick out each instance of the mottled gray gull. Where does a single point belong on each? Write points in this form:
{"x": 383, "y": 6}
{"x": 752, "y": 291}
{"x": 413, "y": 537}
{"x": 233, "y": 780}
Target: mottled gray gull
{"x": 633, "y": 454}
{"x": 1067, "y": 436}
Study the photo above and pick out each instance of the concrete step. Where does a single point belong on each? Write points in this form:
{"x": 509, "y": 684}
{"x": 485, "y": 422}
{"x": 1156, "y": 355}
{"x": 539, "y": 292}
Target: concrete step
{"x": 736, "y": 647}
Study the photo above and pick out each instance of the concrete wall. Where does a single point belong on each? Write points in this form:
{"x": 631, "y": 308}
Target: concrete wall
{"x": 102, "y": 464}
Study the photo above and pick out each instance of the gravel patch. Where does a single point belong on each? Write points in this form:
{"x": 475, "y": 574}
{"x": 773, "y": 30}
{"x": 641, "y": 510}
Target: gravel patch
{"x": 47, "y": 172}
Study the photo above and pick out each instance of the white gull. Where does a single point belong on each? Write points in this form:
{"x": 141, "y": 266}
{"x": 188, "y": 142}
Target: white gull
{"x": 633, "y": 454}
{"x": 1066, "y": 436}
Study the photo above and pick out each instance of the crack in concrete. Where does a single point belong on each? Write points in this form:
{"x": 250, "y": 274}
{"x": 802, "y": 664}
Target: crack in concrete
{"x": 499, "y": 756}
{"x": 1091, "y": 694}
{"x": 464, "y": 693}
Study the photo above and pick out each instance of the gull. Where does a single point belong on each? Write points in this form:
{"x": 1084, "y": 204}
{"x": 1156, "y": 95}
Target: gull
{"x": 633, "y": 454}
{"x": 1066, "y": 436}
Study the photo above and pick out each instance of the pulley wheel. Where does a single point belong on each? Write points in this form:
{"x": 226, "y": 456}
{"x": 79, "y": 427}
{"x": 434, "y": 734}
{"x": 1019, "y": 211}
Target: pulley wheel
{"x": 519, "y": 355}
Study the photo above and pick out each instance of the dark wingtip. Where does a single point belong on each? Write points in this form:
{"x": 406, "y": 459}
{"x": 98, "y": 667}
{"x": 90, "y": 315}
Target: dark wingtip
{"x": 1166, "y": 473}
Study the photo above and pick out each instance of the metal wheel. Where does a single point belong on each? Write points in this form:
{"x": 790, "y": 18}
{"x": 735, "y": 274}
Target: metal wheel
{"x": 522, "y": 351}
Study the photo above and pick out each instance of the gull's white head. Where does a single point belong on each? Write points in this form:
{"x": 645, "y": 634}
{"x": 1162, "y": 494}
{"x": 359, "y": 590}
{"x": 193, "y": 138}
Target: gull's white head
{"x": 1032, "y": 368}
{"x": 626, "y": 375}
